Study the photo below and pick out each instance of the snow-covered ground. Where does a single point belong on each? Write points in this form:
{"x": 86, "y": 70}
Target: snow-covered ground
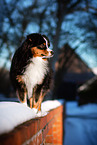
{"x": 80, "y": 124}
{"x": 13, "y": 114}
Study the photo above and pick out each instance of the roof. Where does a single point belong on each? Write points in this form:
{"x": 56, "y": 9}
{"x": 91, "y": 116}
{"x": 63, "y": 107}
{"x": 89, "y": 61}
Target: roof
{"x": 75, "y": 69}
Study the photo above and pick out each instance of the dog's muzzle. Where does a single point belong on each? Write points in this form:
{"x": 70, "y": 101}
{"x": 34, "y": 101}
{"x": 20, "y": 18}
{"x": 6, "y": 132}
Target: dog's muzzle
{"x": 51, "y": 53}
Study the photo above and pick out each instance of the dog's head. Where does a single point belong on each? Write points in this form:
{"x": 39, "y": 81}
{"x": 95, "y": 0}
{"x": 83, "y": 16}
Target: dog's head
{"x": 39, "y": 45}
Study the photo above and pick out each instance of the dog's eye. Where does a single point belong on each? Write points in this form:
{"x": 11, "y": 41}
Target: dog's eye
{"x": 42, "y": 46}
{"x": 47, "y": 44}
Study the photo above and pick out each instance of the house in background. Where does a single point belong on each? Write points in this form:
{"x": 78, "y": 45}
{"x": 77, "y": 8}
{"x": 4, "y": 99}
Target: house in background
{"x": 71, "y": 72}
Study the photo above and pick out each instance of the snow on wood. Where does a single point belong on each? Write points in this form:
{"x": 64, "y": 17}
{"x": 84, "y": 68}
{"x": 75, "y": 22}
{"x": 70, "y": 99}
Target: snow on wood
{"x": 13, "y": 114}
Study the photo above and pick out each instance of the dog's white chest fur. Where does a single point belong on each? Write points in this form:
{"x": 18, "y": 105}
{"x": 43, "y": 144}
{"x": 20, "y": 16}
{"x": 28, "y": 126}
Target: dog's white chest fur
{"x": 35, "y": 73}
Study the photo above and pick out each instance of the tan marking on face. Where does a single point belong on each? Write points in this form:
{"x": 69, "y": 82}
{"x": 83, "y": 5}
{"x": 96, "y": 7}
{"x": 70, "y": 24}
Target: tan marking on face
{"x": 38, "y": 52}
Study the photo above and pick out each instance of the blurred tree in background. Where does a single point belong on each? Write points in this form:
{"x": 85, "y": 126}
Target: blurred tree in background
{"x": 63, "y": 21}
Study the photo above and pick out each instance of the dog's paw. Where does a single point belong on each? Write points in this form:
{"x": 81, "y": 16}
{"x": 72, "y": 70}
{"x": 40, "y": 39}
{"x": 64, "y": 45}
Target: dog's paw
{"x": 35, "y": 110}
{"x": 41, "y": 114}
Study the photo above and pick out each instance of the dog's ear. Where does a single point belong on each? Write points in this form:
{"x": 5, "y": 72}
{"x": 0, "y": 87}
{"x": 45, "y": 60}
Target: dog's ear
{"x": 29, "y": 37}
{"x": 35, "y": 38}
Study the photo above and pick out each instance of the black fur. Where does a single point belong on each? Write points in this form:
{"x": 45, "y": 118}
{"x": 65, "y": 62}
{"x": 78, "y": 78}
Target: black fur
{"x": 21, "y": 60}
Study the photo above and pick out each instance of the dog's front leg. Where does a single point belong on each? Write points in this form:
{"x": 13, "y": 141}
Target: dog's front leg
{"x": 33, "y": 103}
{"x": 41, "y": 97}
{"x": 31, "y": 100}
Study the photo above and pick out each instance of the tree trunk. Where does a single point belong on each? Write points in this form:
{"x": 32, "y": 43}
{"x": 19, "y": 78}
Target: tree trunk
{"x": 60, "y": 16}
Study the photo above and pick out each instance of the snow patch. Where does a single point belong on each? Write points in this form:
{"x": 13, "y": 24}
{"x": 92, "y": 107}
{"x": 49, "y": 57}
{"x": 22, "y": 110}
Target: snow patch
{"x": 13, "y": 114}
{"x": 72, "y": 108}
{"x": 80, "y": 124}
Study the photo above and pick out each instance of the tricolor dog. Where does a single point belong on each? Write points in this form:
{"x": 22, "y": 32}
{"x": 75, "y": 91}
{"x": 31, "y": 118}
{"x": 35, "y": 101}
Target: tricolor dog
{"x": 30, "y": 71}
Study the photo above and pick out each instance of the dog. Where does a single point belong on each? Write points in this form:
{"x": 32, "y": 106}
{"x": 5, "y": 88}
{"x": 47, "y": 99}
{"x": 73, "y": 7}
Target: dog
{"x": 30, "y": 72}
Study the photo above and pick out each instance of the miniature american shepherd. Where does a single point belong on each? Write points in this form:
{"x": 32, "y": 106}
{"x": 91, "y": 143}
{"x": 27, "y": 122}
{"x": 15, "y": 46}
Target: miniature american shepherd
{"x": 30, "y": 72}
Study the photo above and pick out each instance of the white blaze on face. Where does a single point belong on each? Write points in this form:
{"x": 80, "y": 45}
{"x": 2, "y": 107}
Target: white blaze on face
{"x": 46, "y": 42}
{"x": 49, "y": 50}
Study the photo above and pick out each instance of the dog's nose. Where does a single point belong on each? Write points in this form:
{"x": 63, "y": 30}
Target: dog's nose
{"x": 52, "y": 53}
